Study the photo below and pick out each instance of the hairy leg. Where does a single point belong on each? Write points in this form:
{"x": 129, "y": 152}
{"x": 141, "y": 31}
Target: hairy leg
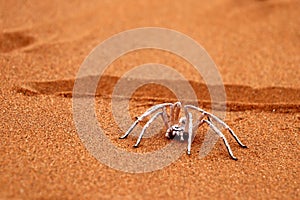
{"x": 219, "y": 133}
{"x": 209, "y": 115}
{"x": 147, "y": 113}
{"x": 146, "y": 126}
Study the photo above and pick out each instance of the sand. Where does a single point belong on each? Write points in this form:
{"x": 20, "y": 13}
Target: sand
{"x": 255, "y": 45}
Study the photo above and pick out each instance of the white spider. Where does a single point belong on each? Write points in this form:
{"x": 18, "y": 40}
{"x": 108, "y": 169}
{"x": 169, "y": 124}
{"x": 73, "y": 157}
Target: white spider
{"x": 184, "y": 125}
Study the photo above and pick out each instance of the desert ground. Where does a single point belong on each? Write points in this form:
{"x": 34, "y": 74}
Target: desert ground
{"x": 255, "y": 46}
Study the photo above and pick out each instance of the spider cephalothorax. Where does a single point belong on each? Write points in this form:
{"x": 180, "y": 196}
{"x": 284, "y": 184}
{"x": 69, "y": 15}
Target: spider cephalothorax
{"x": 184, "y": 126}
{"x": 177, "y": 130}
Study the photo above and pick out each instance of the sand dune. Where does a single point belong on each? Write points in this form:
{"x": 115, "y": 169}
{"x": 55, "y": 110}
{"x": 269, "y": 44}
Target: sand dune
{"x": 255, "y": 45}
{"x": 238, "y": 97}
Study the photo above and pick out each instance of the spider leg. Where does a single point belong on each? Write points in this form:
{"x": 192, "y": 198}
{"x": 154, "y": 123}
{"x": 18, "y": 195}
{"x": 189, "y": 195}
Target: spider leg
{"x": 165, "y": 118}
{"x": 199, "y": 122}
{"x": 140, "y": 118}
{"x": 219, "y": 133}
{"x": 190, "y": 128}
{"x": 130, "y": 129}
{"x": 146, "y": 126}
{"x": 209, "y": 115}
{"x": 177, "y": 107}
{"x": 208, "y": 118}
{"x": 174, "y": 112}
{"x": 227, "y": 128}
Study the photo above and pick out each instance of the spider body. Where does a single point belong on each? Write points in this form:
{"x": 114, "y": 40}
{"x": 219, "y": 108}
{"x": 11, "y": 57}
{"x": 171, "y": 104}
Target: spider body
{"x": 177, "y": 130}
{"x": 184, "y": 126}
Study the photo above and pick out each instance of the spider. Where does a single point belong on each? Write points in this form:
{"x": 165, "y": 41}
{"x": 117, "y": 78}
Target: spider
{"x": 184, "y": 126}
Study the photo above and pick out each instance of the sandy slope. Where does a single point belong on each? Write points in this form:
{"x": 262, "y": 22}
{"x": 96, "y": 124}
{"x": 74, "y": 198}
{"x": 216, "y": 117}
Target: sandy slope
{"x": 255, "y": 45}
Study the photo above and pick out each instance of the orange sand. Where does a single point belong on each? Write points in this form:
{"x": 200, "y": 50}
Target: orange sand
{"x": 255, "y": 45}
